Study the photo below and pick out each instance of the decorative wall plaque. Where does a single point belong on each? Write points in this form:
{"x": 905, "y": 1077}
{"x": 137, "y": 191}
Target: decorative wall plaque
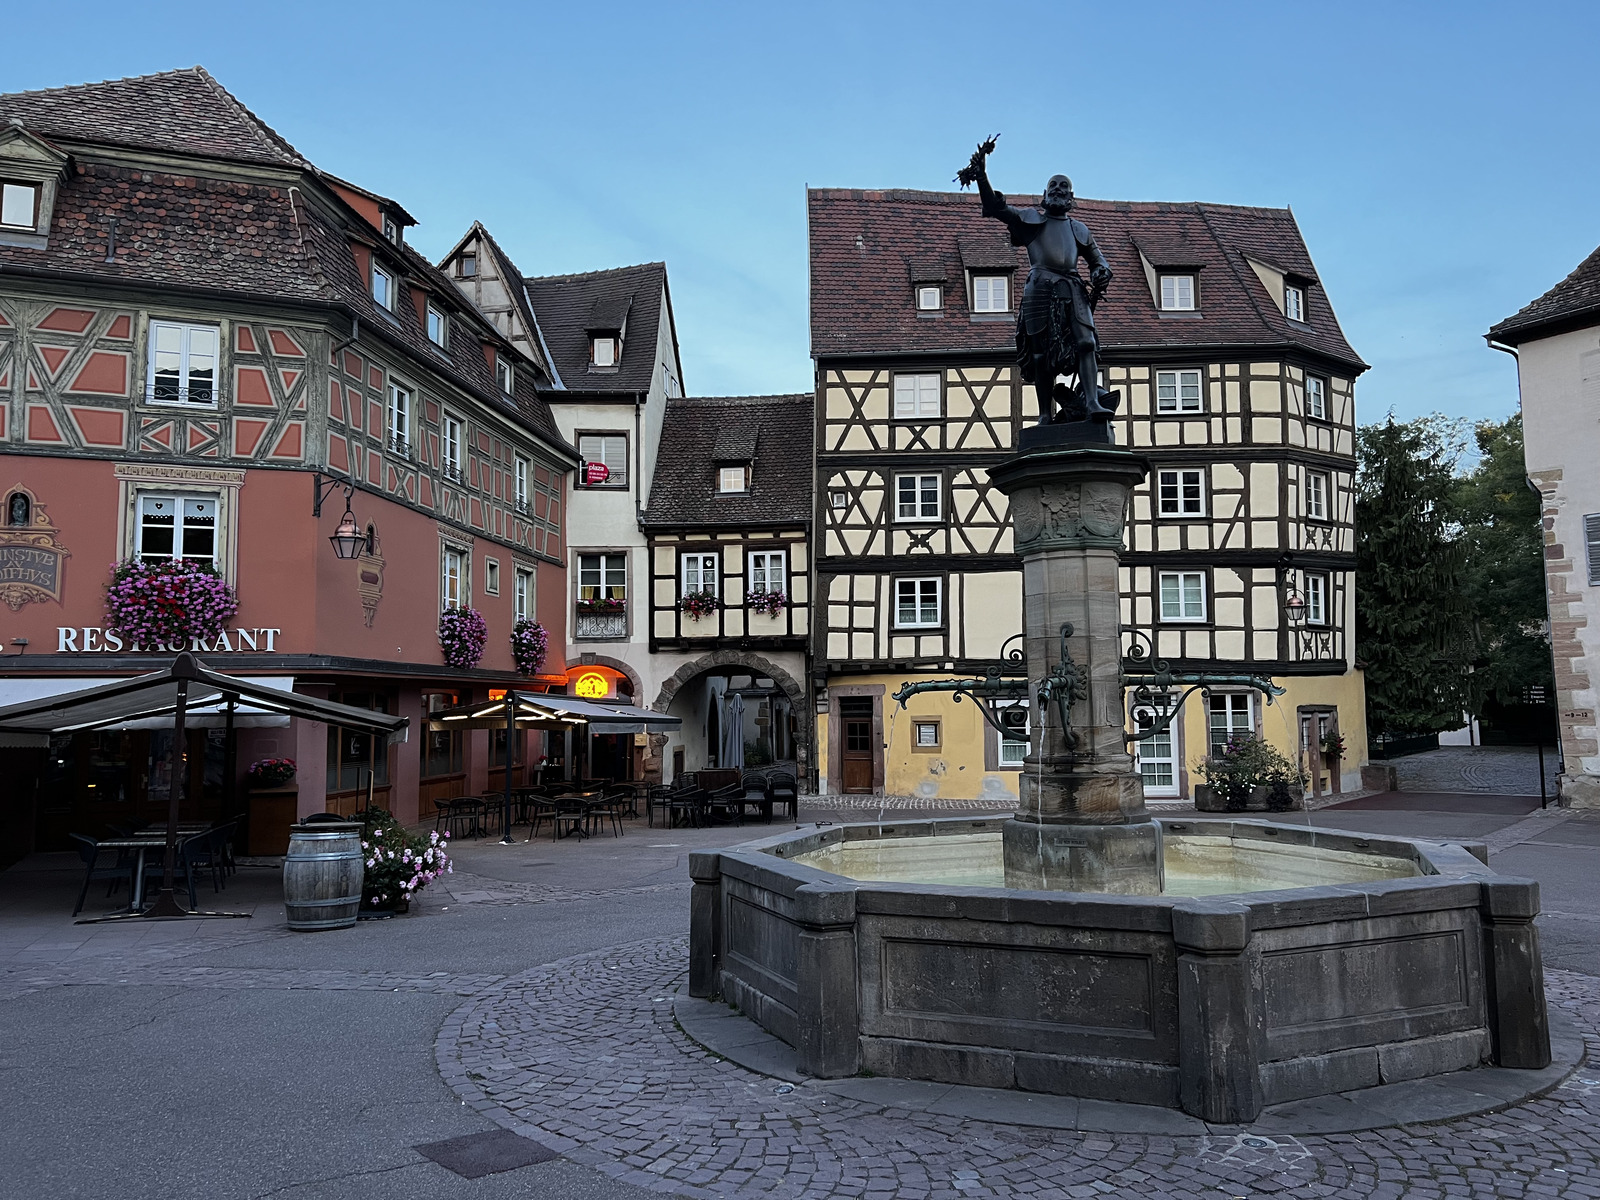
{"x": 31, "y": 559}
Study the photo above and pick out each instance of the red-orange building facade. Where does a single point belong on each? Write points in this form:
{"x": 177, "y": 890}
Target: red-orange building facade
{"x": 196, "y": 325}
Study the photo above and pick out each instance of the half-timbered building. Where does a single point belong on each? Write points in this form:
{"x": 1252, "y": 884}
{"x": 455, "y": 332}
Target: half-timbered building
{"x": 197, "y": 324}
{"x": 729, "y": 528}
{"x": 1236, "y": 383}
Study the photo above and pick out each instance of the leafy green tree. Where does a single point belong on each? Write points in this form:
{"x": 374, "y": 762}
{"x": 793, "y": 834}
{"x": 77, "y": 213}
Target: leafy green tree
{"x": 1413, "y": 621}
{"x": 1503, "y": 578}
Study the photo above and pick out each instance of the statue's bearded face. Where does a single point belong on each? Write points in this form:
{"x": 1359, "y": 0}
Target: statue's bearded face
{"x": 1058, "y": 195}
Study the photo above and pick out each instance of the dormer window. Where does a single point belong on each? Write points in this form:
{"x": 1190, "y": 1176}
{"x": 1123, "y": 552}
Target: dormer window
{"x": 467, "y": 266}
{"x": 19, "y": 205}
{"x": 1294, "y": 303}
{"x": 1177, "y": 293}
{"x": 930, "y": 298}
{"x": 733, "y": 479}
{"x": 503, "y": 375}
{"x": 991, "y": 293}
{"x": 436, "y": 333}
{"x": 382, "y": 287}
{"x": 391, "y": 230}
{"x": 604, "y": 351}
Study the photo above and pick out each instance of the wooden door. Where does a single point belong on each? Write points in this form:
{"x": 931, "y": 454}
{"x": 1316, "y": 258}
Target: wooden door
{"x": 855, "y": 744}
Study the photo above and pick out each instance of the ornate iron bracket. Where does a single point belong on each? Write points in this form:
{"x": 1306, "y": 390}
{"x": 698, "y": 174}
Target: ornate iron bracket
{"x": 1065, "y": 685}
{"x": 1152, "y": 679}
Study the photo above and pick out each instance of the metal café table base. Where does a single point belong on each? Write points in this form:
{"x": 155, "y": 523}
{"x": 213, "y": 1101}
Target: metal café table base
{"x": 165, "y": 904}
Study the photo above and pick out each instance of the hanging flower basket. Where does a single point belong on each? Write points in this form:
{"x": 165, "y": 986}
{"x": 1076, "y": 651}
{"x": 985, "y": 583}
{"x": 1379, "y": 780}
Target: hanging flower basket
{"x": 529, "y": 643}
{"x": 169, "y": 604}
{"x": 771, "y": 603}
{"x": 270, "y": 772}
{"x": 463, "y": 633}
{"x": 698, "y": 604}
{"x": 599, "y": 605}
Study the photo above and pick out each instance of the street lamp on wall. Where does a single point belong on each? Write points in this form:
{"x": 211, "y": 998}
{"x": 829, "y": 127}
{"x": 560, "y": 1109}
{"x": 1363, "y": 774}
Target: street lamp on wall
{"x": 1294, "y": 607}
{"x": 348, "y": 540}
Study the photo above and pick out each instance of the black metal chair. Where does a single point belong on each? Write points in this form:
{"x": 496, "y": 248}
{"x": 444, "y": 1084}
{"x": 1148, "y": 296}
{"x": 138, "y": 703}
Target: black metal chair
{"x": 783, "y": 790}
{"x": 89, "y": 852}
{"x": 756, "y": 794}
{"x": 726, "y": 801}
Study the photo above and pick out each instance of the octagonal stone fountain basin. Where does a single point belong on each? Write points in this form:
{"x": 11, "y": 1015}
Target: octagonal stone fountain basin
{"x": 1281, "y": 962}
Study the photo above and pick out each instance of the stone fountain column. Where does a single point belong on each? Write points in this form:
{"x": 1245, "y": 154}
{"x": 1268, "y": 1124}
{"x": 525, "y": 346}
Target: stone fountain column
{"x": 1082, "y": 824}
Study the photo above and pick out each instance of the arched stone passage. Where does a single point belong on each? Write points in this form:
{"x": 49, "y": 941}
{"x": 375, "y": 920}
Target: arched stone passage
{"x": 753, "y": 663}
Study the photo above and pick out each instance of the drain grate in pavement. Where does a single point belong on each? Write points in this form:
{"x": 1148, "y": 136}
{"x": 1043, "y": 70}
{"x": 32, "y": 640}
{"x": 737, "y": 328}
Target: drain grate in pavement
{"x": 488, "y": 1153}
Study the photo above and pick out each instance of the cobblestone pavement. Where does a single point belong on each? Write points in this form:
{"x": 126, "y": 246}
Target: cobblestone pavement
{"x": 585, "y": 1056}
{"x": 1501, "y": 770}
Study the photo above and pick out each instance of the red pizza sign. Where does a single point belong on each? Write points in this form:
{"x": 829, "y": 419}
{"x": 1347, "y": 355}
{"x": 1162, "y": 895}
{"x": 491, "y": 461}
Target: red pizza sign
{"x": 594, "y": 473}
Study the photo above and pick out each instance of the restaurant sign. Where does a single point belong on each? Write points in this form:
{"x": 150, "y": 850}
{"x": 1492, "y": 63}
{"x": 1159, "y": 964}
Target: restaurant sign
{"x": 592, "y": 686}
{"x": 92, "y": 639}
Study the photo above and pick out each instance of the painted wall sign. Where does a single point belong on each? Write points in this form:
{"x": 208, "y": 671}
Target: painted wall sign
{"x": 91, "y": 639}
{"x": 592, "y": 686}
{"x": 31, "y": 558}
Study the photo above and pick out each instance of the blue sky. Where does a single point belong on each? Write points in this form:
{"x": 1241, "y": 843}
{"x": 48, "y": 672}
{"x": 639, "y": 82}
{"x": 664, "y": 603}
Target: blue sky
{"x": 1439, "y": 157}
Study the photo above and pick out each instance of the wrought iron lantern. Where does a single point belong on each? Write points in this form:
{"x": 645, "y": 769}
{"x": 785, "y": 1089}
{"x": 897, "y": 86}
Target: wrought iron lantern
{"x": 1294, "y": 607}
{"x": 347, "y": 540}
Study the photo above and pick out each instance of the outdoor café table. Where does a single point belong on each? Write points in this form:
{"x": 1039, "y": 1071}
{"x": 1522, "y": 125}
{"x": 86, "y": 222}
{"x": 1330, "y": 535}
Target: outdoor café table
{"x": 142, "y": 846}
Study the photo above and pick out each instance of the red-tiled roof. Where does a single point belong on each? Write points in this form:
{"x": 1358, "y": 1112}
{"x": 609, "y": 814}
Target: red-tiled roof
{"x": 863, "y": 245}
{"x": 1571, "y": 304}
{"x": 185, "y": 112}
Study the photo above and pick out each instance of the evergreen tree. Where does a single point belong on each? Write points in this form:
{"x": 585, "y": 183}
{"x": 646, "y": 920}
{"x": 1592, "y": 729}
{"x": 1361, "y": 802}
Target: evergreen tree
{"x": 1413, "y": 623}
{"x": 1503, "y": 580}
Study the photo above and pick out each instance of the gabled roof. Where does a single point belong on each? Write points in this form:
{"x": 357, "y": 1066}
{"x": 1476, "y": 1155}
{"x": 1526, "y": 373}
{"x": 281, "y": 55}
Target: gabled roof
{"x": 1572, "y": 304}
{"x": 517, "y": 288}
{"x": 567, "y": 306}
{"x": 868, "y": 247}
{"x": 182, "y": 112}
{"x": 699, "y": 433}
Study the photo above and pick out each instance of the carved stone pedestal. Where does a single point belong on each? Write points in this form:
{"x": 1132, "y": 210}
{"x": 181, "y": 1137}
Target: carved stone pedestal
{"x": 1082, "y": 824}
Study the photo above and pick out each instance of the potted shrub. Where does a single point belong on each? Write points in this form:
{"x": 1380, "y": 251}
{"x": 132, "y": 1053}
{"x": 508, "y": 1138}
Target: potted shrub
{"x": 269, "y": 772}
{"x": 397, "y": 864}
{"x": 1248, "y": 775}
{"x": 168, "y": 605}
{"x": 463, "y": 633}
{"x": 529, "y": 644}
{"x": 698, "y": 604}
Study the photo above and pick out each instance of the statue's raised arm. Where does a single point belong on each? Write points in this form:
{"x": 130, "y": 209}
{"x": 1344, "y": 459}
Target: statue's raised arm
{"x": 994, "y": 203}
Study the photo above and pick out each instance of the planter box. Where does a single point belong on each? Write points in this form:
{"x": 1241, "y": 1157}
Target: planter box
{"x": 1205, "y": 800}
{"x": 272, "y": 811}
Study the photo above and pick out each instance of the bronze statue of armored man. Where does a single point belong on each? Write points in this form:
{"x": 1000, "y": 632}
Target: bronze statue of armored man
{"x": 1055, "y": 323}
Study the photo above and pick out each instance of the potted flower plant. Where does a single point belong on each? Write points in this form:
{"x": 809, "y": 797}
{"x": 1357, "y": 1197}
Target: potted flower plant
{"x": 463, "y": 633}
{"x": 602, "y": 604}
{"x": 170, "y": 604}
{"x": 397, "y": 864}
{"x": 698, "y": 604}
{"x": 529, "y": 644}
{"x": 1248, "y": 774}
{"x": 770, "y": 602}
{"x": 270, "y": 772}
{"x": 1332, "y": 746}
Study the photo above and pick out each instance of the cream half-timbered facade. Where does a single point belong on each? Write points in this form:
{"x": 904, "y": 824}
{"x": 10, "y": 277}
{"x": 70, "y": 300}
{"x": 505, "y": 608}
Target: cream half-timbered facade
{"x": 1246, "y": 419}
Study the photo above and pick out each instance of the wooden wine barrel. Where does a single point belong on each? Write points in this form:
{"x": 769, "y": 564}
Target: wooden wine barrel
{"x": 322, "y": 875}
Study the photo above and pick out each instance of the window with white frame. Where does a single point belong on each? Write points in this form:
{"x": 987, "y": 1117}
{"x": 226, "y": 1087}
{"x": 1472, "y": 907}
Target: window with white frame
{"x": 1316, "y": 496}
{"x": 991, "y": 293}
{"x": 916, "y": 397}
{"x": 183, "y": 363}
{"x": 1182, "y": 492}
{"x": 1294, "y": 303}
{"x": 453, "y": 580}
{"x": 768, "y": 571}
{"x": 916, "y": 497}
{"x": 1316, "y": 599}
{"x": 1178, "y": 391}
{"x": 450, "y": 446}
{"x": 1013, "y": 734}
{"x": 1231, "y": 715}
{"x": 603, "y": 351}
{"x": 698, "y": 573}
{"x": 19, "y": 205}
{"x": 504, "y": 375}
{"x": 602, "y": 576}
{"x": 382, "y": 287}
{"x": 1183, "y": 595}
{"x": 399, "y": 419}
{"x": 522, "y": 595}
{"x": 930, "y": 297}
{"x": 917, "y": 603}
{"x": 435, "y": 326}
{"x": 1316, "y": 398}
{"x": 176, "y": 526}
{"x": 491, "y": 576}
{"x": 733, "y": 479}
{"x": 610, "y": 450}
{"x": 391, "y": 228}
{"x": 519, "y": 476}
{"x": 926, "y": 735}
{"x": 1177, "y": 292}
{"x": 1158, "y": 765}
